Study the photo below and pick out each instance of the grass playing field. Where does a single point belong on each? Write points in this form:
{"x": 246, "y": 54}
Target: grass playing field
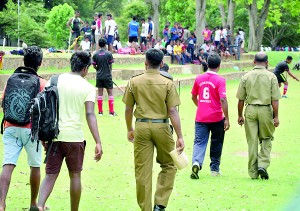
{"x": 110, "y": 184}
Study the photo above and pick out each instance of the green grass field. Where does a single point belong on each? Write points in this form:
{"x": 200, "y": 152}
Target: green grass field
{"x": 110, "y": 184}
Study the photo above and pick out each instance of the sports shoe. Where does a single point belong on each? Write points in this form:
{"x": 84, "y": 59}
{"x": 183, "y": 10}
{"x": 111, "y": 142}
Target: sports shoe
{"x": 263, "y": 173}
{"x": 215, "y": 173}
{"x": 100, "y": 113}
{"x": 284, "y": 96}
{"x": 158, "y": 208}
{"x": 112, "y": 114}
{"x": 195, "y": 169}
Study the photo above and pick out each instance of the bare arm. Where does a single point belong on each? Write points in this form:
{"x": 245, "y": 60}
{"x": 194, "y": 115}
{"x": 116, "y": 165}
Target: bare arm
{"x": 240, "y": 112}
{"x": 225, "y": 111}
{"x": 69, "y": 22}
{"x": 92, "y": 123}
{"x": 292, "y": 75}
{"x": 175, "y": 120}
{"x": 128, "y": 119}
{"x": 275, "y": 105}
{"x": 195, "y": 99}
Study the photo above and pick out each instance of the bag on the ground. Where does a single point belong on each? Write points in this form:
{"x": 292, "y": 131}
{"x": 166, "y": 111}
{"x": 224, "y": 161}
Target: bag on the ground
{"x": 45, "y": 113}
{"x": 22, "y": 86}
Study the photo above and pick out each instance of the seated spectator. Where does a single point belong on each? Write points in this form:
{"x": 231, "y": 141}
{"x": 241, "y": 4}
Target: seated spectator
{"x": 170, "y": 48}
{"x": 85, "y": 44}
{"x": 159, "y": 46}
{"x": 186, "y": 56}
{"x": 117, "y": 44}
{"x": 223, "y": 51}
{"x": 177, "y": 50}
{"x": 202, "y": 59}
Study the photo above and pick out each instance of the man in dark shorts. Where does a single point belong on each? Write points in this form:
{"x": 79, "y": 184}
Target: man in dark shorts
{"x": 133, "y": 30}
{"x": 279, "y": 70}
{"x": 93, "y": 32}
{"x": 74, "y": 25}
{"x": 75, "y": 96}
{"x": 102, "y": 62}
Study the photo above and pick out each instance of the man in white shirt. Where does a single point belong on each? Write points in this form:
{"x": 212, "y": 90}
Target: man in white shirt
{"x": 242, "y": 34}
{"x": 217, "y": 37}
{"x": 144, "y": 34}
{"x": 110, "y": 27}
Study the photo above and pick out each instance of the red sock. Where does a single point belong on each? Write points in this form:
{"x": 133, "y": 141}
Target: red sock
{"x": 100, "y": 103}
{"x": 285, "y": 88}
{"x": 111, "y": 104}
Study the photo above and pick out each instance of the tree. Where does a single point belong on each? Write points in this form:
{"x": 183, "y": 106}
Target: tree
{"x": 200, "y": 19}
{"x": 154, "y": 6}
{"x": 257, "y": 20}
{"x": 56, "y": 24}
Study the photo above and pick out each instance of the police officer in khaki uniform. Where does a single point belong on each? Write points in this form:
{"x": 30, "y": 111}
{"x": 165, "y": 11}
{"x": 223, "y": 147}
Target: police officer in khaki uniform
{"x": 259, "y": 90}
{"x": 155, "y": 99}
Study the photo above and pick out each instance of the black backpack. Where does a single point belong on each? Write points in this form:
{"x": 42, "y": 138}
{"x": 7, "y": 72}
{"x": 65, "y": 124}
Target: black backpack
{"x": 45, "y": 113}
{"x": 22, "y": 86}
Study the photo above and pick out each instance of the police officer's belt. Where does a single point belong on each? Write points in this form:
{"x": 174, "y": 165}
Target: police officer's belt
{"x": 258, "y": 105}
{"x": 153, "y": 120}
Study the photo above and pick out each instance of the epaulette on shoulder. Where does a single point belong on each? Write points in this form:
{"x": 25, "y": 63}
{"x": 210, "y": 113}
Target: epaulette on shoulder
{"x": 166, "y": 75}
{"x": 137, "y": 75}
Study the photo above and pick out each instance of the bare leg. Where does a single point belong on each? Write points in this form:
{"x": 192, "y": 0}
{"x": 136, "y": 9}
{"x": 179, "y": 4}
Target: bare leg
{"x": 75, "y": 190}
{"x": 35, "y": 179}
{"x": 46, "y": 189}
{"x": 5, "y": 179}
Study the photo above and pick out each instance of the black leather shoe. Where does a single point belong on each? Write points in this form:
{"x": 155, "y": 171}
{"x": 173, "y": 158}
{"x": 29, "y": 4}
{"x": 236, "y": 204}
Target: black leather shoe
{"x": 158, "y": 208}
{"x": 263, "y": 173}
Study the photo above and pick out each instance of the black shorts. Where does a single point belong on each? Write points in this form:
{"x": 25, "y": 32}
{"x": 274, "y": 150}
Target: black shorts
{"x": 104, "y": 83}
{"x": 133, "y": 39}
{"x": 281, "y": 78}
{"x": 143, "y": 40}
{"x": 93, "y": 39}
{"x": 75, "y": 34}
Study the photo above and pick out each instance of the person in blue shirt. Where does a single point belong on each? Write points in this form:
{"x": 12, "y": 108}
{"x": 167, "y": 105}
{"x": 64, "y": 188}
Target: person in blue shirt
{"x": 174, "y": 32}
{"x": 87, "y": 30}
{"x": 133, "y": 30}
{"x": 192, "y": 40}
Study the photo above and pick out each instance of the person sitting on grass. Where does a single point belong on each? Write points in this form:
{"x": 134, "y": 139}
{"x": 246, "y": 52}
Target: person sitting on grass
{"x": 85, "y": 44}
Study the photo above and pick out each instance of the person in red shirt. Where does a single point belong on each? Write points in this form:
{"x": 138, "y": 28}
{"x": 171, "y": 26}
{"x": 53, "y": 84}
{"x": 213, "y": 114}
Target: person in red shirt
{"x": 209, "y": 95}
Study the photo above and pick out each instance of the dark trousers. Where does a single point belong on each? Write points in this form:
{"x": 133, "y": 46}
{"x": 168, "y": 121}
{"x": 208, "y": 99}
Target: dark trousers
{"x": 202, "y": 132}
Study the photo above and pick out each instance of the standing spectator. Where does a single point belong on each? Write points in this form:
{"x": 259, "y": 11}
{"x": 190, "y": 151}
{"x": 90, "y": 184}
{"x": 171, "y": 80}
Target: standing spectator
{"x": 166, "y": 33}
{"x": 224, "y": 36}
{"x": 93, "y": 26}
{"x": 87, "y": 31}
{"x": 212, "y": 36}
{"x": 102, "y": 62}
{"x": 259, "y": 90}
{"x": 174, "y": 32}
{"x": 237, "y": 43}
{"x": 280, "y": 69}
{"x": 217, "y": 37}
{"x": 154, "y": 107}
{"x": 191, "y": 45}
{"x": 180, "y": 32}
{"x": 110, "y": 27}
{"x": 144, "y": 34}
{"x": 209, "y": 96}
{"x": 75, "y": 96}
{"x": 133, "y": 30}
{"x": 242, "y": 34}
{"x": 229, "y": 36}
{"x": 186, "y": 33}
{"x": 150, "y": 32}
{"x": 206, "y": 33}
{"x": 16, "y": 137}
{"x": 98, "y": 30}
{"x": 74, "y": 25}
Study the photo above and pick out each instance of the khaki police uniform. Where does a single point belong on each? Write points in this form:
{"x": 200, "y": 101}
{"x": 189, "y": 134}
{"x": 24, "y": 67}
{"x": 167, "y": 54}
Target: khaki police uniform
{"x": 258, "y": 88}
{"x": 152, "y": 94}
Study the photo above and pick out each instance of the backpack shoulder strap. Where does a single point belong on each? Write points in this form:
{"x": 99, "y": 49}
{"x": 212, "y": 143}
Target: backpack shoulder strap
{"x": 28, "y": 70}
{"x": 54, "y": 80}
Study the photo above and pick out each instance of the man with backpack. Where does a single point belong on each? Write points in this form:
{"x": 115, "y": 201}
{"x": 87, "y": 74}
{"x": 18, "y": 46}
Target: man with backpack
{"x": 75, "y": 95}
{"x": 20, "y": 89}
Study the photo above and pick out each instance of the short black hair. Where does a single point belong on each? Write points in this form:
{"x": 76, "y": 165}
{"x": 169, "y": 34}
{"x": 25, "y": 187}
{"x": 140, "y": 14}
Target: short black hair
{"x": 134, "y": 18}
{"x": 149, "y": 18}
{"x": 109, "y": 15}
{"x": 142, "y": 19}
{"x": 289, "y": 58}
{"x": 102, "y": 42}
{"x": 99, "y": 15}
{"x": 165, "y": 67}
{"x": 80, "y": 60}
{"x": 213, "y": 60}
{"x": 33, "y": 57}
{"x": 261, "y": 57}
{"x": 154, "y": 57}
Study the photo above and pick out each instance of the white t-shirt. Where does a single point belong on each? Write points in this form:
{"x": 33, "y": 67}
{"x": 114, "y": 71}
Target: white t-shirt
{"x": 117, "y": 44}
{"x": 73, "y": 92}
{"x": 218, "y": 35}
{"x": 224, "y": 33}
{"x": 85, "y": 45}
{"x": 242, "y": 35}
{"x": 144, "y": 31}
{"x": 169, "y": 49}
{"x": 112, "y": 23}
